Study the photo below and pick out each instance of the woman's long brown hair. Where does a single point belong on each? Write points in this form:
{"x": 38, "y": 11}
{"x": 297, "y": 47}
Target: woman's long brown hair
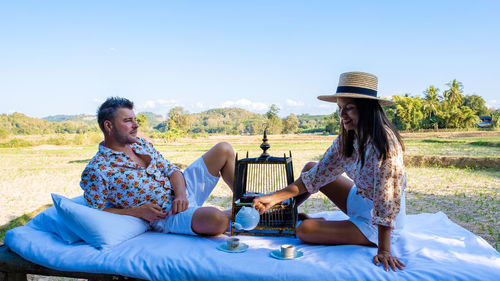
{"x": 371, "y": 123}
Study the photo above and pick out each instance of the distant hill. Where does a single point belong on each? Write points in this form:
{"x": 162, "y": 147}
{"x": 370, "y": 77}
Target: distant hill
{"x": 20, "y": 124}
{"x": 89, "y": 119}
{"x": 213, "y": 121}
{"x": 227, "y": 115}
{"x": 310, "y": 117}
{"x": 227, "y": 120}
{"x": 153, "y": 118}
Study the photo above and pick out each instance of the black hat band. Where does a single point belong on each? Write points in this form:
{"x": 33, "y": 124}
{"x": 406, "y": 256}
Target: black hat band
{"x": 356, "y": 90}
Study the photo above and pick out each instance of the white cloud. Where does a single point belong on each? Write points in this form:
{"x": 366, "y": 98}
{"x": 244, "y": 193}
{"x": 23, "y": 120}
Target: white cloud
{"x": 113, "y": 52}
{"x": 167, "y": 102}
{"x": 293, "y": 103}
{"x": 325, "y": 105}
{"x": 246, "y": 104}
{"x": 149, "y": 104}
{"x": 96, "y": 100}
{"x": 162, "y": 106}
{"x": 492, "y": 103}
{"x": 159, "y": 103}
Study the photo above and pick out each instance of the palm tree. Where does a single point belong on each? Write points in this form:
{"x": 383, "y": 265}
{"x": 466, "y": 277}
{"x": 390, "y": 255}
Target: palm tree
{"x": 432, "y": 98}
{"x": 454, "y": 95}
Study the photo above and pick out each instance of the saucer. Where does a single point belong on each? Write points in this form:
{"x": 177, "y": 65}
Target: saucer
{"x": 240, "y": 249}
{"x": 277, "y": 255}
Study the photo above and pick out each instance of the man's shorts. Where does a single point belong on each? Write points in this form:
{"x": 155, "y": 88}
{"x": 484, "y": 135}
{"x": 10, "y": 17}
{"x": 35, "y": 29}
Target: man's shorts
{"x": 199, "y": 185}
{"x": 359, "y": 210}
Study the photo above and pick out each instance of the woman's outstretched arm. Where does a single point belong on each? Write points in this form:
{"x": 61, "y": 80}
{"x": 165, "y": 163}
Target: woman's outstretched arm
{"x": 384, "y": 254}
{"x": 266, "y": 202}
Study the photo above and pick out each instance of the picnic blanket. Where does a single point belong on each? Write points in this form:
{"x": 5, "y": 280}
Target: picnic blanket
{"x": 431, "y": 246}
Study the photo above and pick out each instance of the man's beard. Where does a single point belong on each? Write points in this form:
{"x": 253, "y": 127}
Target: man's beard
{"x": 125, "y": 138}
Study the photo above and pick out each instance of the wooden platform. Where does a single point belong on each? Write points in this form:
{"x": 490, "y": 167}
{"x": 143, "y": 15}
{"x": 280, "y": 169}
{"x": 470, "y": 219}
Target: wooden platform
{"x": 15, "y": 268}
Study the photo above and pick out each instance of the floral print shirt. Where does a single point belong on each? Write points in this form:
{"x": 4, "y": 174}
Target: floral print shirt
{"x": 383, "y": 182}
{"x": 113, "y": 179}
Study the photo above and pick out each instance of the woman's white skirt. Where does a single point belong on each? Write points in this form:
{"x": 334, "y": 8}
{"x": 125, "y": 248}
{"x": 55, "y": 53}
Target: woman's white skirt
{"x": 359, "y": 210}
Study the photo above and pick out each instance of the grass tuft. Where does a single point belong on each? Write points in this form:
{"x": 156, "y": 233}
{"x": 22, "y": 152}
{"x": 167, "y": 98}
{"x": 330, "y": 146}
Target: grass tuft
{"x": 20, "y": 221}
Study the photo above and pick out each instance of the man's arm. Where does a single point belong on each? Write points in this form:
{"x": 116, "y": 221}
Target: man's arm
{"x": 180, "y": 203}
{"x": 149, "y": 212}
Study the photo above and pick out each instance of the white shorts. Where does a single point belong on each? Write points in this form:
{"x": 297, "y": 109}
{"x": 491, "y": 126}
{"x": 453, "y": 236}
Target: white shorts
{"x": 359, "y": 210}
{"x": 199, "y": 185}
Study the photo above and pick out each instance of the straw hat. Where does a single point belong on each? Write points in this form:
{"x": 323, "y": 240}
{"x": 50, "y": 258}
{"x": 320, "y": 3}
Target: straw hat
{"x": 359, "y": 85}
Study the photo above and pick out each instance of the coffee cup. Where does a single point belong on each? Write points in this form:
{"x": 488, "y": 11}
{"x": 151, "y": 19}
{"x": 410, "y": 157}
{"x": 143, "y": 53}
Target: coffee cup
{"x": 287, "y": 251}
{"x": 233, "y": 243}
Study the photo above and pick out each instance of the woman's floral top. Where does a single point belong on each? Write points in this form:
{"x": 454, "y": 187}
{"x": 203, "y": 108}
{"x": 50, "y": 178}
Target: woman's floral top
{"x": 113, "y": 178}
{"x": 383, "y": 182}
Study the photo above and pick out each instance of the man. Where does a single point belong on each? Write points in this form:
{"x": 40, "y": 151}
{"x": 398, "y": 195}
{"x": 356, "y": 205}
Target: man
{"x": 128, "y": 176}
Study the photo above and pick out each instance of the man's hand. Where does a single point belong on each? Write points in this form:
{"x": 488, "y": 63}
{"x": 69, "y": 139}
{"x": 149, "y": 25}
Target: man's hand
{"x": 264, "y": 203}
{"x": 180, "y": 204}
{"x": 149, "y": 212}
{"x": 386, "y": 258}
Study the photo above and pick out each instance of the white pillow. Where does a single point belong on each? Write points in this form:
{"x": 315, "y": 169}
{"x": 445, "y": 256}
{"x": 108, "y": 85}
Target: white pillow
{"x": 98, "y": 228}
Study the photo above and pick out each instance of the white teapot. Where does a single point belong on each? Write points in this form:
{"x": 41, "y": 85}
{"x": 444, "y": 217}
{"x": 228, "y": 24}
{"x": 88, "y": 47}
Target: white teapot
{"x": 246, "y": 219}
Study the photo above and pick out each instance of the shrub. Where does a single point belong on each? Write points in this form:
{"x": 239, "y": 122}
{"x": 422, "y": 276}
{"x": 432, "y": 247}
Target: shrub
{"x": 173, "y": 134}
{"x": 200, "y": 135}
{"x": 94, "y": 137}
{"x": 16, "y": 143}
{"x": 3, "y": 133}
{"x": 59, "y": 140}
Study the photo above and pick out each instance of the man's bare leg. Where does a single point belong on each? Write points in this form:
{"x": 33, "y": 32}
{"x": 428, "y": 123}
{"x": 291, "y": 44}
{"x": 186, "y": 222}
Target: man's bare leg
{"x": 209, "y": 221}
{"x": 220, "y": 159}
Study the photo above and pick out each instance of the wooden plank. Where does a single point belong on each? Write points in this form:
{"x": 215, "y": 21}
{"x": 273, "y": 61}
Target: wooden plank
{"x": 14, "y": 268}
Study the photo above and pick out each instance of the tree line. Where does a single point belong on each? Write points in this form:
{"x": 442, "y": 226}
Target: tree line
{"x": 450, "y": 108}
{"x": 236, "y": 121}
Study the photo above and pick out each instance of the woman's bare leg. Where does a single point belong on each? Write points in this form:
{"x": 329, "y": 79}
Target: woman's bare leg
{"x": 299, "y": 199}
{"x": 320, "y": 231}
{"x": 337, "y": 191}
{"x": 331, "y": 232}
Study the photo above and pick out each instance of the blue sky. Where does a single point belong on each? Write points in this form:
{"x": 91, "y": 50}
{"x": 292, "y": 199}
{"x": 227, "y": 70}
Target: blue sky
{"x": 66, "y": 57}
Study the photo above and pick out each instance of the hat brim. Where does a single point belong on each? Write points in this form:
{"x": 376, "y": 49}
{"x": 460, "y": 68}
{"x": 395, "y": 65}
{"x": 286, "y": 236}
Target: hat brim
{"x": 333, "y": 98}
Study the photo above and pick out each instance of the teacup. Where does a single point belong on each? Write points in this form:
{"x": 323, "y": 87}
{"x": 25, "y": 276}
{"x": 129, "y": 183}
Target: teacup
{"x": 287, "y": 251}
{"x": 232, "y": 243}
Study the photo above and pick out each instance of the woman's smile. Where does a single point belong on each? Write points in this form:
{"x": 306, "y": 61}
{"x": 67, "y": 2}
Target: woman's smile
{"x": 348, "y": 113}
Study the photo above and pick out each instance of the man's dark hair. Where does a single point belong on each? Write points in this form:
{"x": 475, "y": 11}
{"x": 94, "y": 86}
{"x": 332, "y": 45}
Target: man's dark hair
{"x": 107, "y": 110}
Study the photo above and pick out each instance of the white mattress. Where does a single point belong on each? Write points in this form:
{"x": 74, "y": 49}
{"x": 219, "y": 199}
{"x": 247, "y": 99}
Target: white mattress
{"x": 432, "y": 247}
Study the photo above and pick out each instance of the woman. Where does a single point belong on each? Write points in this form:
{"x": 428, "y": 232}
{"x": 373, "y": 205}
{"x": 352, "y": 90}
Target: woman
{"x": 370, "y": 151}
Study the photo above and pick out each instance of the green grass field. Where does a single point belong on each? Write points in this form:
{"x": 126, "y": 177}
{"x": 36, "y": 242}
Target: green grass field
{"x": 470, "y": 197}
